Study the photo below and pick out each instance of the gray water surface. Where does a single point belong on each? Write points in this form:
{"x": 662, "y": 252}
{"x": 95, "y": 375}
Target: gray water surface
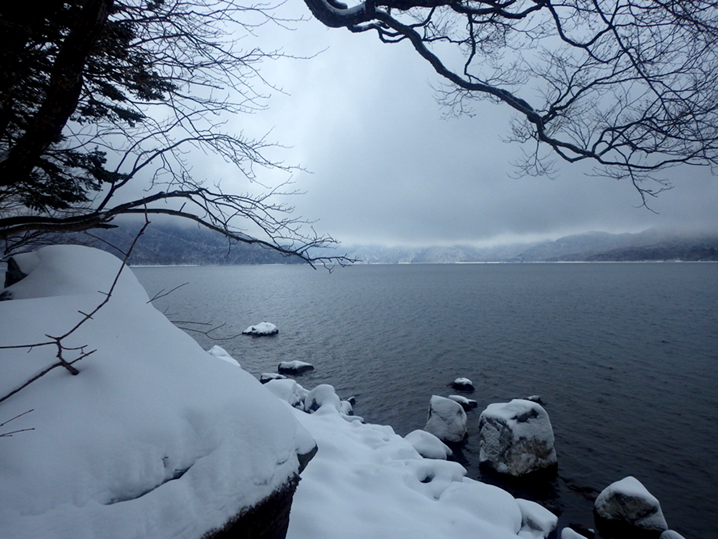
{"x": 625, "y": 357}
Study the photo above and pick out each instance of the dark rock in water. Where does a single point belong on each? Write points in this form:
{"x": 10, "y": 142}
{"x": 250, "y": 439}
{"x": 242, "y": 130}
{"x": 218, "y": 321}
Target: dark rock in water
{"x": 536, "y": 399}
{"x": 463, "y": 384}
{"x": 267, "y": 376}
{"x": 294, "y": 367}
{"x": 516, "y": 438}
{"x": 466, "y": 404}
{"x": 625, "y": 509}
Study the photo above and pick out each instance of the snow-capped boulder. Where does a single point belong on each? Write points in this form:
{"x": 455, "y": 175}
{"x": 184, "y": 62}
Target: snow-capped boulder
{"x": 466, "y": 404}
{"x": 568, "y": 533}
{"x": 267, "y": 376}
{"x": 428, "y": 445}
{"x": 152, "y": 438}
{"x": 516, "y": 438}
{"x": 294, "y": 367}
{"x": 261, "y": 329}
{"x": 221, "y": 353}
{"x": 670, "y": 534}
{"x": 463, "y": 384}
{"x": 627, "y": 506}
{"x": 447, "y": 420}
{"x": 322, "y": 396}
{"x": 537, "y": 522}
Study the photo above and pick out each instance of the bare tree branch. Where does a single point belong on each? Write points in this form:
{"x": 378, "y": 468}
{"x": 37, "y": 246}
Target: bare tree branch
{"x": 59, "y": 341}
{"x": 629, "y": 86}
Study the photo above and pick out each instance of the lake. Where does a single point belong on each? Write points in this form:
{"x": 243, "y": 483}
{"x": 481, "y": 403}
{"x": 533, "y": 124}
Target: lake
{"x": 624, "y": 355}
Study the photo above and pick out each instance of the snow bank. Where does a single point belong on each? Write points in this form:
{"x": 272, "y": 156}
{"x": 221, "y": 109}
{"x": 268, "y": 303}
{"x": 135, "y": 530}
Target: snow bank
{"x": 153, "y": 438}
{"x": 367, "y": 482}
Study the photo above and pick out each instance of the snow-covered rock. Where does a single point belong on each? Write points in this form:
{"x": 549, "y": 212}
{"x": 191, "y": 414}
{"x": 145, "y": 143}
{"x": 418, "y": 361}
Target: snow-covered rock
{"x": 151, "y": 439}
{"x": 294, "y": 367}
{"x": 428, "y": 445}
{"x": 324, "y": 398}
{"x": 516, "y": 438}
{"x": 537, "y": 522}
{"x": 466, "y": 404}
{"x": 289, "y": 391}
{"x": 627, "y": 503}
{"x": 670, "y": 534}
{"x": 221, "y": 353}
{"x": 446, "y": 420}
{"x": 261, "y": 329}
{"x": 267, "y": 376}
{"x": 568, "y": 533}
{"x": 463, "y": 384}
{"x": 346, "y": 407}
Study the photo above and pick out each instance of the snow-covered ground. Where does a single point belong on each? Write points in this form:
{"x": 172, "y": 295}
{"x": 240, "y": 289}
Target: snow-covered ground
{"x": 154, "y": 438}
{"x": 157, "y": 438}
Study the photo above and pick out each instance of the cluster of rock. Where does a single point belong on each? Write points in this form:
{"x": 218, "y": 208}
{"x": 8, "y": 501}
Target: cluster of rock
{"x": 516, "y": 438}
{"x": 311, "y": 401}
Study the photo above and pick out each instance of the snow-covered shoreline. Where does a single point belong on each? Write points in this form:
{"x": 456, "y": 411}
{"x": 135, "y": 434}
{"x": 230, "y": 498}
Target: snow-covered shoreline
{"x": 156, "y": 437}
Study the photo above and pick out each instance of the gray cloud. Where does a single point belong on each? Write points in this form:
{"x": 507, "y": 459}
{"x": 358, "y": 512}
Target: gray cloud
{"x": 386, "y": 168}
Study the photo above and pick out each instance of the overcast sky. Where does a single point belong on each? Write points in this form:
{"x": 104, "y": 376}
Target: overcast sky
{"x": 386, "y": 168}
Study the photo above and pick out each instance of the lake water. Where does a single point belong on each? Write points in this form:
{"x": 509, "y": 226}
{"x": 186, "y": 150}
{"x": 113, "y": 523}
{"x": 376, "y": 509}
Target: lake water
{"x": 625, "y": 357}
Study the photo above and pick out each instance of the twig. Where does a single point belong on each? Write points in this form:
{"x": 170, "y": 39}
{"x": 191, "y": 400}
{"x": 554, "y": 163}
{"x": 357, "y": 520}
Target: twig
{"x": 58, "y": 341}
{"x": 162, "y": 293}
{"x": 10, "y": 433}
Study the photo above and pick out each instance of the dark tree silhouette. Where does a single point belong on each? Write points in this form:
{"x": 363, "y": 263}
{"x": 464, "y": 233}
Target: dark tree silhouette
{"x": 628, "y": 85}
{"x": 96, "y": 95}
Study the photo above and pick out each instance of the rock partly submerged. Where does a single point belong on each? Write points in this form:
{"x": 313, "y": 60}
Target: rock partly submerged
{"x": 466, "y": 404}
{"x": 463, "y": 384}
{"x": 263, "y": 329}
{"x": 627, "y": 508}
{"x": 267, "y": 376}
{"x": 516, "y": 438}
{"x": 294, "y": 367}
{"x": 446, "y": 420}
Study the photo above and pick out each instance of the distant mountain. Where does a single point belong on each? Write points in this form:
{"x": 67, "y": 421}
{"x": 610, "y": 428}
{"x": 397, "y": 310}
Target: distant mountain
{"x": 169, "y": 244}
{"x": 652, "y": 244}
{"x": 165, "y": 244}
